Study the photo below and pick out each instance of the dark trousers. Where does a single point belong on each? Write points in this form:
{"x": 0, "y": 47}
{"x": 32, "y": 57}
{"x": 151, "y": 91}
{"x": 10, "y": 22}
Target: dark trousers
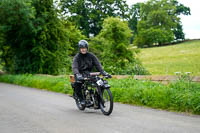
{"x": 78, "y": 90}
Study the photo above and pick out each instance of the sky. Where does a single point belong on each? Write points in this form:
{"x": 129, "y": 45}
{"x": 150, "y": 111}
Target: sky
{"x": 191, "y": 23}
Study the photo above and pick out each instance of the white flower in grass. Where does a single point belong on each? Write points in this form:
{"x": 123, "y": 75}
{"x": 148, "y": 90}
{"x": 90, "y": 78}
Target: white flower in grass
{"x": 187, "y": 73}
{"x": 177, "y": 73}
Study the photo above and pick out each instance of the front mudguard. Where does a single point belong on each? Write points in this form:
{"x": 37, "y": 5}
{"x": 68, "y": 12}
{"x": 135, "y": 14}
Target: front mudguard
{"x": 106, "y": 86}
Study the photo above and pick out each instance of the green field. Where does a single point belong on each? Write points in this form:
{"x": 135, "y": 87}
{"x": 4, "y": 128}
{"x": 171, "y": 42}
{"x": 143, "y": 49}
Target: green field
{"x": 166, "y": 60}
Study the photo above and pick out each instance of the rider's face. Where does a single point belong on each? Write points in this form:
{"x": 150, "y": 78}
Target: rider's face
{"x": 83, "y": 50}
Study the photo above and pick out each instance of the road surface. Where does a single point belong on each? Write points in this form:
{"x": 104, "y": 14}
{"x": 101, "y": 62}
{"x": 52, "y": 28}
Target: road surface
{"x": 29, "y": 110}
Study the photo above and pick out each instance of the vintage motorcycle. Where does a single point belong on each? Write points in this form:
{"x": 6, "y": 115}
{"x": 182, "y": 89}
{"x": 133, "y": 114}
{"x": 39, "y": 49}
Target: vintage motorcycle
{"x": 96, "y": 93}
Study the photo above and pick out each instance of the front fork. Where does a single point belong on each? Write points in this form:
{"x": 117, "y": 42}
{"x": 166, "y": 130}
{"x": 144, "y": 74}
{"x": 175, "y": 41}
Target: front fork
{"x": 100, "y": 90}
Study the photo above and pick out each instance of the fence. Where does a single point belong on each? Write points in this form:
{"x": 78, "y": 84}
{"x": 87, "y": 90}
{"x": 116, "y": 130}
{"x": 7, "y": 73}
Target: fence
{"x": 164, "y": 79}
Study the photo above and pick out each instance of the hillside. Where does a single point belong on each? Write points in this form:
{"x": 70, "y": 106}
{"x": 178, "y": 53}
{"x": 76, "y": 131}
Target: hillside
{"x": 183, "y": 57}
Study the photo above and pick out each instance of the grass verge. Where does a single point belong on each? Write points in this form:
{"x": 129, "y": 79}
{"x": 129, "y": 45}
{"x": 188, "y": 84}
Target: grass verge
{"x": 52, "y": 83}
{"x": 180, "y": 96}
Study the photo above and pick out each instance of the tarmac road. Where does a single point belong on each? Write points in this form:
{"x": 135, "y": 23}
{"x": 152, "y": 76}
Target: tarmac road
{"x": 29, "y": 110}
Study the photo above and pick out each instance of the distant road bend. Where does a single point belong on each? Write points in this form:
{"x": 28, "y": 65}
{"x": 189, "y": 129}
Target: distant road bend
{"x": 29, "y": 110}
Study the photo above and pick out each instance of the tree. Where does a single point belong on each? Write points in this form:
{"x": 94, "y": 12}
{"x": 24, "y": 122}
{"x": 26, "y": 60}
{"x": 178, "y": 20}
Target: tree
{"x": 158, "y": 23}
{"x": 134, "y": 16}
{"x": 88, "y": 15}
{"x": 1, "y": 44}
{"x": 74, "y": 36}
{"x": 180, "y": 9}
{"x": 50, "y": 49}
{"x": 35, "y": 39}
{"x": 16, "y": 26}
{"x": 113, "y": 42}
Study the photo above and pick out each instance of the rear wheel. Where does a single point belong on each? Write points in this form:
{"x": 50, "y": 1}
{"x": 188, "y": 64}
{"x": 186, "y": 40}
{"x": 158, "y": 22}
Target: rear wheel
{"x": 78, "y": 102}
{"x": 106, "y": 102}
{"x": 79, "y": 105}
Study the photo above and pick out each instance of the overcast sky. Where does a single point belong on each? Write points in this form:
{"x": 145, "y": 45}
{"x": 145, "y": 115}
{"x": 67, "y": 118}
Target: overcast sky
{"x": 191, "y": 23}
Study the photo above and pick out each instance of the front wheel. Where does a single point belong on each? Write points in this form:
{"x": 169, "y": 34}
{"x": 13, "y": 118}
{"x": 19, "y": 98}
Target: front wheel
{"x": 106, "y": 102}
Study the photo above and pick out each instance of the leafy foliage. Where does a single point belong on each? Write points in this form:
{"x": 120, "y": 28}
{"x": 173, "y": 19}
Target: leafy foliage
{"x": 156, "y": 23}
{"x": 134, "y": 16}
{"x": 180, "y": 9}
{"x": 159, "y": 19}
{"x": 39, "y": 36}
{"x": 112, "y": 43}
{"x": 89, "y": 15}
{"x": 50, "y": 49}
{"x": 35, "y": 39}
{"x": 74, "y": 36}
{"x": 16, "y": 26}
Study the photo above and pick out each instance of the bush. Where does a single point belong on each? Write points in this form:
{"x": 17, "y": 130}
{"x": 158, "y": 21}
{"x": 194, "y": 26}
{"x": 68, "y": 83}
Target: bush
{"x": 111, "y": 46}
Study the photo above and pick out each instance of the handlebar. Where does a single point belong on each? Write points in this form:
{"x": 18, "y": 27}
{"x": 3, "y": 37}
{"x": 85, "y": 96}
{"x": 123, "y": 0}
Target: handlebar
{"x": 97, "y": 74}
{"x": 72, "y": 79}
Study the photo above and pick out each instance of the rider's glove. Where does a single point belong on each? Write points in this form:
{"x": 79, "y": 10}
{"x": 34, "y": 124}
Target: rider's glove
{"x": 106, "y": 74}
{"x": 79, "y": 77}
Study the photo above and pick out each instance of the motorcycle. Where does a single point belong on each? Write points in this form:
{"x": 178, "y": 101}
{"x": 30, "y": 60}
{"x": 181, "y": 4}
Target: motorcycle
{"x": 96, "y": 93}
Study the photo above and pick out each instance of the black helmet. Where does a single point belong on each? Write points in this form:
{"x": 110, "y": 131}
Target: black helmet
{"x": 83, "y": 44}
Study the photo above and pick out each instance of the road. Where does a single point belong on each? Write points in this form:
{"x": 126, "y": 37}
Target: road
{"x": 29, "y": 110}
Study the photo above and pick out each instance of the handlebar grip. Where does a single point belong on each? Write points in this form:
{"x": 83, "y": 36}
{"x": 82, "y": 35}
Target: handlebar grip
{"x": 108, "y": 76}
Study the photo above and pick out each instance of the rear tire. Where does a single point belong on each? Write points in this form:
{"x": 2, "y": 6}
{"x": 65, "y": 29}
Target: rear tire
{"x": 106, "y": 103}
{"x": 78, "y": 104}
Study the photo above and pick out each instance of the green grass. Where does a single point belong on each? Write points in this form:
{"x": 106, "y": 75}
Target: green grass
{"x": 51, "y": 83}
{"x": 180, "y": 96}
{"x": 1, "y": 66}
{"x": 167, "y": 60}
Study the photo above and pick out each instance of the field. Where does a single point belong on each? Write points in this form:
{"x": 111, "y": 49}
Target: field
{"x": 167, "y": 60}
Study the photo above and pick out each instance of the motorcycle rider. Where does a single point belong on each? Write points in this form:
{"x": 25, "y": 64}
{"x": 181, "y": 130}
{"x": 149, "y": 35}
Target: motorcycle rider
{"x": 82, "y": 65}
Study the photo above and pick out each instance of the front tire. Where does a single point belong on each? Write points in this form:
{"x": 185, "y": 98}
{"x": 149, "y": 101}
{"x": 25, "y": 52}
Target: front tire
{"x": 106, "y": 102}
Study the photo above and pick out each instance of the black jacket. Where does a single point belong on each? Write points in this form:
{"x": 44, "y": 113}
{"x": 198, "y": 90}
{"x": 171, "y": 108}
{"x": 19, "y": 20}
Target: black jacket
{"x": 85, "y": 62}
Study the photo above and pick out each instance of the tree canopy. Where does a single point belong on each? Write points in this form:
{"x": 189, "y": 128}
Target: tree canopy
{"x": 41, "y": 36}
{"x": 157, "y": 22}
{"x": 113, "y": 44}
{"x": 88, "y": 15}
{"x": 35, "y": 40}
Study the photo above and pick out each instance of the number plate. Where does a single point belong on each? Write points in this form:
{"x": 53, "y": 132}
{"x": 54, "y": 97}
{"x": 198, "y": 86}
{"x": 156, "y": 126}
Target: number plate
{"x": 100, "y": 82}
